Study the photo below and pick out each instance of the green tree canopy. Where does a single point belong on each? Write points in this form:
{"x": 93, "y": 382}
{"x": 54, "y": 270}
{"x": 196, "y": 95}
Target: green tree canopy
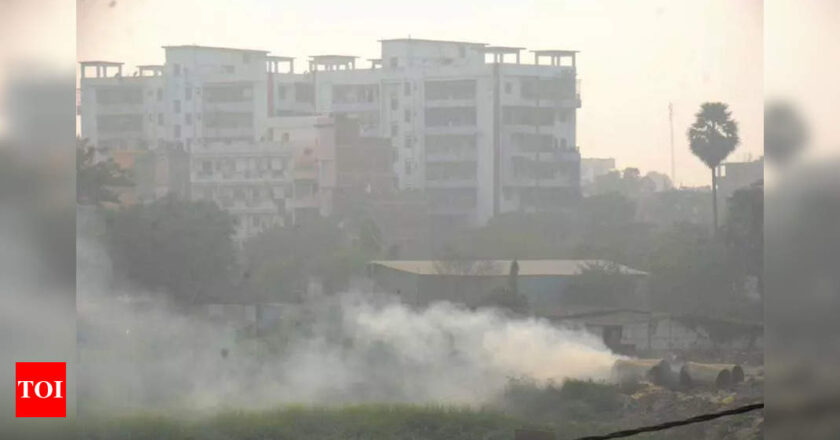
{"x": 95, "y": 181}
{"x": 744, "y": 231}
{"x": 182, "y": 248}
{"x": 280, "y": 261}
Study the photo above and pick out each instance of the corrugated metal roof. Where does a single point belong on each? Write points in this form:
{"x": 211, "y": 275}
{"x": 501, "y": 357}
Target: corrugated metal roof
{"x": 497, "y": 267}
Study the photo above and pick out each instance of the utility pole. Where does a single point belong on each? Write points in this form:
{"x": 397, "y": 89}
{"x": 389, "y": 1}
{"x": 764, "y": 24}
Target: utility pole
{"x": 671, "y": 123}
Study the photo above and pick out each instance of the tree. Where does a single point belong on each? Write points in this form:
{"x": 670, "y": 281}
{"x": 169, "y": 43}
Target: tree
{"x": 183, "y": 248}
{"x": 94, "y": 181}
{"x": 690, "y": 272}
{"x": 601, "y": 284}
{"x": 281, "y": 261}
{"x": 744, "y": 231}
{"x": 712, "y": 137}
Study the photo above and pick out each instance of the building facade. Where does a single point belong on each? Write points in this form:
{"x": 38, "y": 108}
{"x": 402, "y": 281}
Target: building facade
{"x": 736, "y": 175}
{"x": 212, "y": 104}
{"x": 592, "y": 168}
{"x": 474, "y": 128}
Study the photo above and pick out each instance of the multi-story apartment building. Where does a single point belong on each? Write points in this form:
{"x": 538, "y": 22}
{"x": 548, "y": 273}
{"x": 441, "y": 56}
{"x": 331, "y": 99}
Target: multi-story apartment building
{"x": 473, "y": 126}
{"x": 476, "y": 129}
{"x": 212, "y": 104}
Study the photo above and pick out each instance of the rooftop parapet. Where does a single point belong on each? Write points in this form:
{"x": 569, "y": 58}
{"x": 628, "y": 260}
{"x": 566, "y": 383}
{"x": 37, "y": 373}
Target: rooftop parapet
{"x": 101, "y": 69}
{"x": 332, "y": 62}
{"x": 273, "y": 62}
{"x": 556, "y": 57}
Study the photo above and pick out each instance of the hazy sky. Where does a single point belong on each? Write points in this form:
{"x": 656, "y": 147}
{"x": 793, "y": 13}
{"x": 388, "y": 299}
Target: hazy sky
{"x": 636, "y": 56}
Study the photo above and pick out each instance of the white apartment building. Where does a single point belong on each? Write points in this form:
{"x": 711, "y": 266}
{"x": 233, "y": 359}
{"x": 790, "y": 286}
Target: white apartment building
{"x": 477, "y": 129}
{"x": 211, "y": 103}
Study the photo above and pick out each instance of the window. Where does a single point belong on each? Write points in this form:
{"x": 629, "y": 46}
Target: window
{"x": 188, "y": 118}
{"x": 407, "y": 167}
{"x": 285, "y": 137}
{"x": 228, "y": 69}
{"x": 188, "y": 93}
{"x": 395, "y": 102}
{"x": 160, "y": 118}
{"x": 246, "y": 58}
{"x": 462, "y": 51}
{"x": 409, "y": 141}
{"x": 407, "y": 115}
{"x": 176, "y": 69}
{"x": 177, "y": 131}
{"x": 159, "y": 94}
{"x": 176, "y": 105}
{"x": 394, "y": 62}
{"x": 561, "y": 116}
{"x": 508, "y": 87}
{"x": 407, "y": 89}
{"x": 281, "y": 92}
{"x": 394, "y": 129}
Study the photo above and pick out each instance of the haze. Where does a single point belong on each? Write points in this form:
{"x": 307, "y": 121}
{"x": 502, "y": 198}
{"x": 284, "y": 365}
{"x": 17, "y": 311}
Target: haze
{"x": 635, "y": 56}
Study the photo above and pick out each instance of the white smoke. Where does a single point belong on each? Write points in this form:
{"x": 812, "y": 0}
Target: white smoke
{"x": 350, "y": 348}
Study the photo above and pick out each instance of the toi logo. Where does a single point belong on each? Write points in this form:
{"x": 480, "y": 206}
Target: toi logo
{"x": 40, "y": 389}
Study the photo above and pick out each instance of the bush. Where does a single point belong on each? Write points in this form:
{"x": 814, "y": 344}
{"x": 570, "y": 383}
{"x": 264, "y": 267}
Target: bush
{"x": 573, "y": 400}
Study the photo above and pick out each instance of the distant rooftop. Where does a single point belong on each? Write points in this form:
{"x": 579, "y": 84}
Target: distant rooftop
{"x": 555, "y": 52}
{"x": 496, "y": 267}
{"x": 503, "y": 49}
{"x": 421, "y": 40}
{"x": 194, "y": 46}
{"x": 332, "y": 62}
{"x": 333, "y": 58}
{"x": 102, "y": 63}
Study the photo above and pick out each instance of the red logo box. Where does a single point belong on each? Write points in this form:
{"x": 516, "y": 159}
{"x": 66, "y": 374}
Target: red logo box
{"x": 40, "y": 389}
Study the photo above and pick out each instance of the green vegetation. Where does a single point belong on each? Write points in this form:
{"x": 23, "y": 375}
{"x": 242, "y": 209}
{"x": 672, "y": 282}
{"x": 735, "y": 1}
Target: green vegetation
{"x": 95, "y": 182}
{"x": 572, "y": 401}
{"x": 573, "y": 409}
{"x": 280, "y": 261}
{"x": 322, "y": 423}
{"x": 181, "y": 247}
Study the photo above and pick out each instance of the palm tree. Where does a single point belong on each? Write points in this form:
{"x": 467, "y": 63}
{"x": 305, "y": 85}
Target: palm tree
{"x": 712, "y": 137}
